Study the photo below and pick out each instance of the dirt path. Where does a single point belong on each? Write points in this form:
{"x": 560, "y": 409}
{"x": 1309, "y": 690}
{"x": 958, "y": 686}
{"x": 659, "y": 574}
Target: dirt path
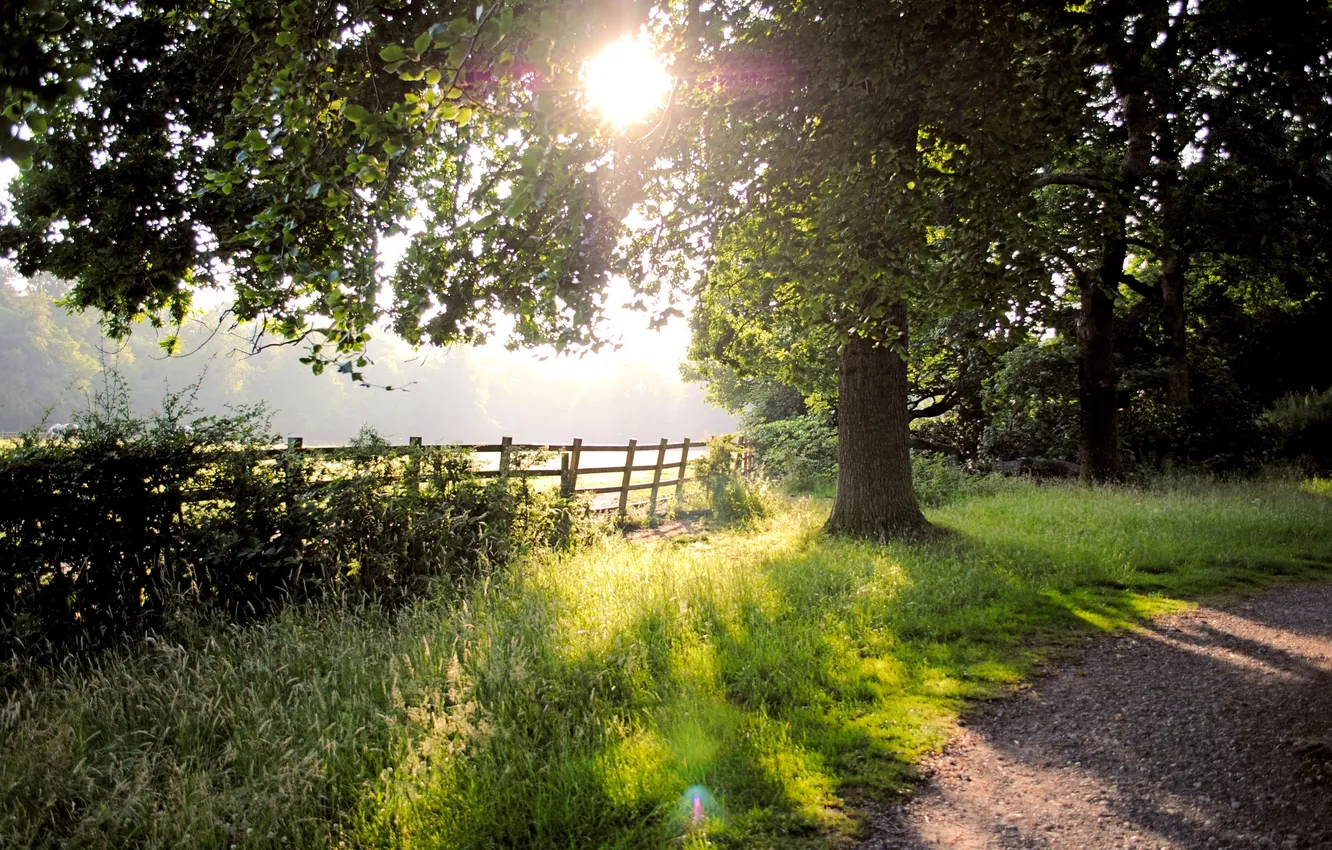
{"x": 1206, "y": 730}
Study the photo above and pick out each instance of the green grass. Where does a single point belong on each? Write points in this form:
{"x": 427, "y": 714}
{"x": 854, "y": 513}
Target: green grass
{"x": 576, "y": 700}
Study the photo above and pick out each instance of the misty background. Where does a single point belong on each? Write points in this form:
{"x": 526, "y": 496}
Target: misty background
{"x": 54, "y": 361}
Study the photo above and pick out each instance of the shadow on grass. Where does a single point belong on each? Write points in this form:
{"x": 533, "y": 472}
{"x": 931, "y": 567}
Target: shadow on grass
{"x": 645, "y": 695}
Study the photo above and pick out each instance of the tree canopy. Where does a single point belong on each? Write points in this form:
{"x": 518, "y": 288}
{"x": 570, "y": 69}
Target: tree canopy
{"x": 823, "y": 174}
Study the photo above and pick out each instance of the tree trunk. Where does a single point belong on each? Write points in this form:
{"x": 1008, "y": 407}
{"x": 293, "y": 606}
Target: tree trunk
{"x": 1098, "y": 453}
{"x": 1172, "y": 318}
{"x": 875, "y": 498}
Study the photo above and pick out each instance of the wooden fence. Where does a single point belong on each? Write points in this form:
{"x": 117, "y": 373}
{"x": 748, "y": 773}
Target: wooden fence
{"x": 573, "y": 464}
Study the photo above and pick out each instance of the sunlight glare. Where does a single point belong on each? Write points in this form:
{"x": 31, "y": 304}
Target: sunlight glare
{"x": 626, "y": 82}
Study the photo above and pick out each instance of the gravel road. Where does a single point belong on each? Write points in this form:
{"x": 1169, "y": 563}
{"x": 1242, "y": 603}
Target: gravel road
{"x": 1208, "y": 729}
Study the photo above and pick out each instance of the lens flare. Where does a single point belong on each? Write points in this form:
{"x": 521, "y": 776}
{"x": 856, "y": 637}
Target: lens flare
{"x": 697, "y": 808}
{"x": 626, "y": 82}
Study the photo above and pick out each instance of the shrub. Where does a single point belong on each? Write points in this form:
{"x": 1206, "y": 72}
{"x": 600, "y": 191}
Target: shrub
{"x": 940, "y": 480}
{"x": 733, "y": 498}
{"x": 1033, "y": 402}
{"x": 1301, "y": 428}
{"x": 140, "y": 522}
{"x": 799, "y": 452}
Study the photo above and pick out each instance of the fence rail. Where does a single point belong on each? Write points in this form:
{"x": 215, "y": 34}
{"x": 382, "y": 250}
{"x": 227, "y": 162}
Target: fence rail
{"x": 570, "y": 469}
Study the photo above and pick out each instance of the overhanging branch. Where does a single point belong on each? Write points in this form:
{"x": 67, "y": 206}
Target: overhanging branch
{"x": 938, "y": 408}
{"x": 1138, "y": 286}
{"x": 1079, "y": 273}
{"x": 1084, "y": 179}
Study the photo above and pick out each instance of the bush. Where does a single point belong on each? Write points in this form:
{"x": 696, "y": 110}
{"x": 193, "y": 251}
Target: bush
{"x": 137, "y": 523}
{"x": 733, "y": 498}
{"x": 799, "y": 452}
{"x": 1033, "y": 402}
{"x": 1300, "y": 425}
{"x": 940, "y": 480}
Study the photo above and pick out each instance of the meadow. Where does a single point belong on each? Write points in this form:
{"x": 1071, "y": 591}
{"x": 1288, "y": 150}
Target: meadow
{"x": 749, "y": 686}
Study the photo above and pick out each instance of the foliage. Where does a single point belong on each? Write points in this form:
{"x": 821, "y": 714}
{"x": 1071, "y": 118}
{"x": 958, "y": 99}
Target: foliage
{"x": 800, "y": 452}
{"x": 755, "y": 397}
{"x": 91, "y": 525}
{"x": 34, "y": 76}
{"x": 1301, "y": 425}
{"x": 1215, "y": 107}
{"x": 1032, "y": 401}
{"x": 733, "y": 497}
{"x": 46, "y": 353}
{"x": 137, "y": 524}
{"x": 940, "y": 480}
{"x": 328, "y": 133}
{"x": 572, "y": 701}
{"x": 468, "y": 138}
{"x": 821, "y": 168}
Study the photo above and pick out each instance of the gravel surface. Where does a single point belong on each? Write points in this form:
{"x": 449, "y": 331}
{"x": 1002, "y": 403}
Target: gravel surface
{"x": 1207, "y": 729}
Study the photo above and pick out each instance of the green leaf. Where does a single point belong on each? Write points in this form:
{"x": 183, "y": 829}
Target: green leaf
{"x": 422, "y": 43}
{"x": 464, "y": 117}
{"x": 433, "y": 77}
{"x": 355, "y": 113}
{"x": 392, "y": 53}
{"x": 286, "y": 38}
{"x": 532, "y": 159}
{"x": 486, "y": 222}
{"x": 518, "y": 204}
{"x": 17, "y": 149}
{"x": 440, "y": 33}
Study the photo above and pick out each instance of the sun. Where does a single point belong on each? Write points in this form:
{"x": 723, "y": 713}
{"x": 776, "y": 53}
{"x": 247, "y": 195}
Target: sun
{"x": 626, "y": 82}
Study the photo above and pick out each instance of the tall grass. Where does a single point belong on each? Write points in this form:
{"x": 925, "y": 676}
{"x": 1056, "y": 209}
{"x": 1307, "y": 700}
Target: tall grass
{"x": 738, "y": 688}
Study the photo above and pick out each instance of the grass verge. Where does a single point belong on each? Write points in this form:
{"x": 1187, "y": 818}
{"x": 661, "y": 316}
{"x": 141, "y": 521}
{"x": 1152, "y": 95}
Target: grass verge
{"x": 730, "y": 689}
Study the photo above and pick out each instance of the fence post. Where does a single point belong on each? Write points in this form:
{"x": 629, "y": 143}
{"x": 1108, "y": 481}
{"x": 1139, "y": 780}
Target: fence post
{"x": 684, "y": 465}
{"x": 624, "y": 485}
{"x": 505, "y": 447}
{"x": 575, "y": 454}
{"x": 414, "y": 466}
{"x": 656, "y": 482}
{"x": 565, "y": 490}
{"x": 292, "y": 466}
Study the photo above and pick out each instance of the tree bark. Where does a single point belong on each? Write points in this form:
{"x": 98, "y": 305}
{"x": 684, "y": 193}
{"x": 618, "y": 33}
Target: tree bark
{"x": 875, "y": 497}
{"x": 1172, "y": 318}
{"x": 1098, "y": 452}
